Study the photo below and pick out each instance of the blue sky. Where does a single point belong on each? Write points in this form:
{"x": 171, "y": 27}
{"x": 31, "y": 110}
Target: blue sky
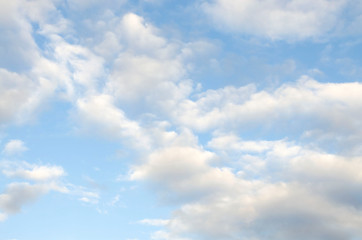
{"x": 180, "y": 120}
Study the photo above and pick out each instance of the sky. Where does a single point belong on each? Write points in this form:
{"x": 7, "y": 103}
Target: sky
{"x": 180, "y": 120}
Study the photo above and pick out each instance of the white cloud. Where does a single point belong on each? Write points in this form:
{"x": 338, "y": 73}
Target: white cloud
{"x": 14, "y": 146}
{"x": 101, "y": 115}
{"x": 232, "y": 142}
{"x": 88, "y": 200}
{"x": 16, "y": 91}
{"x": 21, "y": 82}
{"x": 17, "y": 195}
{"x": 140, "y": 36}
{"x": 281, "y": 211}
{"x": 84, "y": 5}
{"x": 148, "y": 64}
{"x": 163, "y": 235}
{"x": 155, "y": 222}
{"x": 296, "y": 189}
{"x": 181, "y": 174}
{"x": 78, "y": 69}
{"x": 277, "y": 19}
{"x": 35, "y": 172}
{"x": 304, "y": 106}
{"x": 18, "y": 48}
{"x": 134, "y": 76}
{"x": 3, "y": 217}
{"x": 270, "y": 185}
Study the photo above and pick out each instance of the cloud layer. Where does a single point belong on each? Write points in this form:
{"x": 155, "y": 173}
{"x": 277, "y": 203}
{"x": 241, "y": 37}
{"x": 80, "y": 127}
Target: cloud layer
{"x": 244, "y": 161}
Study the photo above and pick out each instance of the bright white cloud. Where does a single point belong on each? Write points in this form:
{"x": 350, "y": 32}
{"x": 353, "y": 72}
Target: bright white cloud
{"x": 304, "y": 107}
{"x": 183, "y": 173}
{"x": 36, "y": 173}
{"x": 277, "y": 19}
{"x": 14, "y": 146}
{"x": 101, "y": 115}
{"x": 148, "y": 65}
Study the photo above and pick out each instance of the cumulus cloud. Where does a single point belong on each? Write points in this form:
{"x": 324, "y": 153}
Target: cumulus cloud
{"x": 231, "y": 188}
{"x": 304, "y": 107}
{"x": 182, "y": 173}
{"x": 148, "y": 64}
{"x": 270, "y": 211}
{"x": 14, "y": 146}
{"x": 296, "y": 189}
{"x": 22, "y": 83}
{"x": 277, "y": 19}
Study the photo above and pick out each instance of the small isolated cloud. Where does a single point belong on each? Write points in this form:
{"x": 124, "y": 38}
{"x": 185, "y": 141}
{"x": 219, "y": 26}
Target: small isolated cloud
{"x": 88, "y": 200}
{"x": 35, "y": 172}
{"x": 86, "y": 196}
{"x": 14, "y": 147}
{"x": 17, "y": 195}
{"x": 155, "y": 222}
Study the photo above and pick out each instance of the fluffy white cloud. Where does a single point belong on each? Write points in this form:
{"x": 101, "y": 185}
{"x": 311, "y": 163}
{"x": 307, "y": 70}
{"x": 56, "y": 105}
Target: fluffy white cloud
{"x": 25, "y": 82}
{"x": 148, "y": 65}
{"x": 277, "y": 19}
{"x": 270, "y": 211}
{"x": 183, "y": 173}
{"x": 296, "y": 188}
{"x": 101, "y": 115}
{"x": 14, "y": 146}
{"x": 304, "y": 107}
